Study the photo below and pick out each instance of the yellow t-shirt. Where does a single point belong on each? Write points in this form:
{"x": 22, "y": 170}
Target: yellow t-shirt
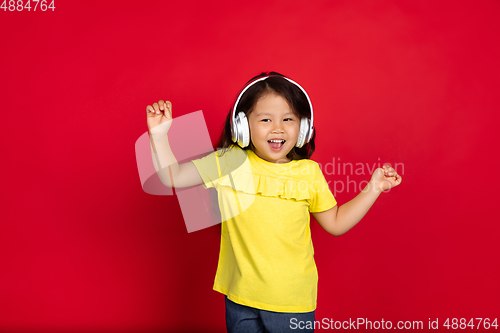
{"x": 266, "y": 256}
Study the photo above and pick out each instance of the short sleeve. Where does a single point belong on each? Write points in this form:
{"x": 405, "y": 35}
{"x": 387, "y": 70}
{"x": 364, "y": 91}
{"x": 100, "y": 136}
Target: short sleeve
{"x": 208, "y": 169}
{"x": 322, "y": 198}
{"x": 219, "y": 164}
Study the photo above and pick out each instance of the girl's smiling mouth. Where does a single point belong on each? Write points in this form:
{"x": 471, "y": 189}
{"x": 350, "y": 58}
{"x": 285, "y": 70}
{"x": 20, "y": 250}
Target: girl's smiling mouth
{"x": 276, "y": 144}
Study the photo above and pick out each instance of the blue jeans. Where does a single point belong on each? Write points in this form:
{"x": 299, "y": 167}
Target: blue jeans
{"x": 244, "y": 319}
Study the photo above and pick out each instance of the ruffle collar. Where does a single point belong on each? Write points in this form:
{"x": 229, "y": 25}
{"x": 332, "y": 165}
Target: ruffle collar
{"x": 247, "y": 180}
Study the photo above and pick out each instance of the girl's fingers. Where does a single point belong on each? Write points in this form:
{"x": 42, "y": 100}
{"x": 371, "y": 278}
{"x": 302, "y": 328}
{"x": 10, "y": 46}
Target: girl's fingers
{"x": 389, "y": 171}
{"x": 168, "y": 111}
{"x": 391, "y": 175}
{"x": 157, "y": 108}
{"x": 151, "y": 110}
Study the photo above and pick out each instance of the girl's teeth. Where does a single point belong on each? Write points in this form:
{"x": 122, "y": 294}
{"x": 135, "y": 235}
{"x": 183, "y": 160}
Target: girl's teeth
{"x": 276, "y": 144}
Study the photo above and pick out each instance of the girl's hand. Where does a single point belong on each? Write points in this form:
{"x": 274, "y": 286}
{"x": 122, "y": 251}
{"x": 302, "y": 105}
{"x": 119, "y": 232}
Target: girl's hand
{"x": 385, "y": 178}
{"x": 159, "y": 114}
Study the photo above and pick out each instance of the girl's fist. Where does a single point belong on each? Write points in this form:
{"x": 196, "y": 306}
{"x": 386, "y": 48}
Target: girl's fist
{"x": 385, "y": 178}
{"x": 159, "y": 117}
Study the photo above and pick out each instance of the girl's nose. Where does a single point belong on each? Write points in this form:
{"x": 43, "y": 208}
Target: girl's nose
{"x": 278, "y": 128}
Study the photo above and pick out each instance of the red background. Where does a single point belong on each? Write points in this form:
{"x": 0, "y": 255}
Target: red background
{"x": 83, "y": 248}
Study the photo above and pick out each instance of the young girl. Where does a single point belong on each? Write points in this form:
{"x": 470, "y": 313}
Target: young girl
{"x": 267, "y": 187}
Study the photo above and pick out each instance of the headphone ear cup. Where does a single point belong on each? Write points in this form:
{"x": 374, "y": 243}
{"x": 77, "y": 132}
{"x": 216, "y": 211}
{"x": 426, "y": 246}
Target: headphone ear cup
{"x": 245, "y": 130}
{"x": 311, "y": 132}
{"x": 303, "y": 132}
{"x": 241, "y": 131}
{"x": 234, "y": 129}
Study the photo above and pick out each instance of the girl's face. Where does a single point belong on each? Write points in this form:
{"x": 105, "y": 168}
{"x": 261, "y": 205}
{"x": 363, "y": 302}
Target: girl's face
{"x": 274, "y": 128}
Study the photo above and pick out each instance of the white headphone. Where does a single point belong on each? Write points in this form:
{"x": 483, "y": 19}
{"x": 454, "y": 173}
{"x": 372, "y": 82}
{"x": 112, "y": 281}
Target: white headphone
{"x": 240, "y": 130}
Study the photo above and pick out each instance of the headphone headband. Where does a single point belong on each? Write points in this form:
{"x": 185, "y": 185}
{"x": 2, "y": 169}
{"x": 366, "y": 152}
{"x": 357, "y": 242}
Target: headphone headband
{"x": 264, "y": 78}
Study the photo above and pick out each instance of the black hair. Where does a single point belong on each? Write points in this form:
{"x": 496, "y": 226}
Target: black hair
{"x": 275, "y": 83}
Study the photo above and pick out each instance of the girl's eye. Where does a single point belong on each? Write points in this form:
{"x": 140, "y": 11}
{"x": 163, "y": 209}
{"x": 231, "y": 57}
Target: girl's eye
{"x": 268, "y": 120}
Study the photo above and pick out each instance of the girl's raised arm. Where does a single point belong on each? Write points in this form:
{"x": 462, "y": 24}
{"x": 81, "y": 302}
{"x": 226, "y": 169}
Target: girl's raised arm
{"x": 171, "y": 174}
